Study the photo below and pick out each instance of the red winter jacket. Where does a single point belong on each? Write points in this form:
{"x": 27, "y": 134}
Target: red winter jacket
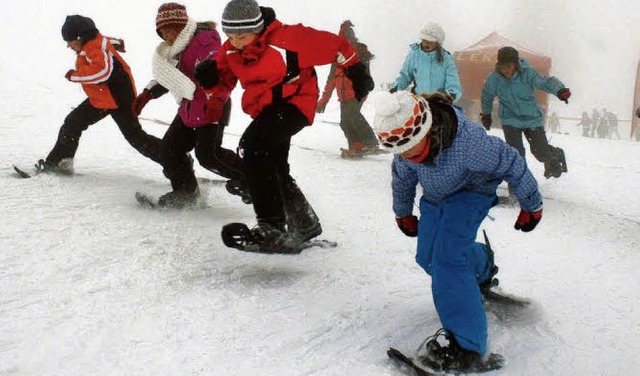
{"x": 94, "y": 66}
{"x": 261, "y": 66}
{"x": 339, "y": 81}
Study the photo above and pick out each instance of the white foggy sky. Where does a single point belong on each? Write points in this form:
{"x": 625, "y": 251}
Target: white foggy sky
{"x": 594, "y": 45}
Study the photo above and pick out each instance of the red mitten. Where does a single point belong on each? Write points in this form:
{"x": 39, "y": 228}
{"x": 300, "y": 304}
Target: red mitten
{"x": 564, "y": 95}
{"x": 140, "y": 101}
{"x": 528, "y": 220}
{"x": 408, "y": 225}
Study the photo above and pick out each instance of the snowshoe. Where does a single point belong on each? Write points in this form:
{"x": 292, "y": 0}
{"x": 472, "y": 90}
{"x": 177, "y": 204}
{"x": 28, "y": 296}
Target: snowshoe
{"x": 351, "y": 154}
{"x": 489, "y": 294}
{"x": 355, "y": 151}
{"x": 179, "y": 199}
{"x": 406, "y": 362}
{"x": 64, "y": 167}
{"x": 21, "y": 173}
{"x": 239, "y": 236}
{"x": 376, "y": 150}
{"x": 562, "y": 160}
{"x": 263, "y": 238}
{"x": 490, "y": 281}
{"x": 452, "y": 358}
{"x": 239, "y": 188}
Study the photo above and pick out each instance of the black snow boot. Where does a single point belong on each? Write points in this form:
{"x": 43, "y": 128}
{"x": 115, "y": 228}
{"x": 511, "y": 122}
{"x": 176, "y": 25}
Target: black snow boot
{"x": 556, "y": 164}
{"x": 452, "y": 358}
{"x": 239, "y": 188}
{"x": 272, "y": 238}
{"x": 302, "y": 220}
{"x": 179, "y": 199}
{"x": 64, "y": 167}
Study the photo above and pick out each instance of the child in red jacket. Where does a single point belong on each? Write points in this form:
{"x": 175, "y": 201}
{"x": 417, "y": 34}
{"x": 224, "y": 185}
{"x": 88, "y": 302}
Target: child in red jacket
{"x": 106, "y": 79}
{"x": 275, "y": 65}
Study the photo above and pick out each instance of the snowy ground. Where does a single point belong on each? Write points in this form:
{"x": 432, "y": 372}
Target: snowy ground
{"x": 92, "y": 284}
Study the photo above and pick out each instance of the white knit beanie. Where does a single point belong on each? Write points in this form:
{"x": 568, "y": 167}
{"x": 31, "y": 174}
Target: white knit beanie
{"x": 432, "y": 32}
{"x": 401, "y": 120}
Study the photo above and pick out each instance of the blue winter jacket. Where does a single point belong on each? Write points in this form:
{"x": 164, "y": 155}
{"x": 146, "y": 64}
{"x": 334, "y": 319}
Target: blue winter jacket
{"x": 429, "y": 75}
{"x": 475, "y": 162}
{"x": 519, "y": 107}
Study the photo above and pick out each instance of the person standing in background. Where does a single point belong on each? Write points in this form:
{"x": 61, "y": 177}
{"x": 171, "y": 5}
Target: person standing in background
{"x": 514, "y": 82}
{"x": 429, "y": 66}
{"x": 585, "y": 122}
{"x": 553, "y": 123}
{"x": 360, "y": 138}
{"x": 595, "y": 122}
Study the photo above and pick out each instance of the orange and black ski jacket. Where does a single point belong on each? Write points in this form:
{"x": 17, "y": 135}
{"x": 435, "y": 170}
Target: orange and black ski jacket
{"x": 95, "y": 66}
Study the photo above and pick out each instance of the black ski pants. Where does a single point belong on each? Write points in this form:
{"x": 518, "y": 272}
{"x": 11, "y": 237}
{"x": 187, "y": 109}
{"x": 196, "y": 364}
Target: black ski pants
{"x": 207, "y": 142}
{"x": 81, "y": 117}
{"x": 537, "y": 139}
{"x": 264, "y": 147}
{"x": 354, "y": 126}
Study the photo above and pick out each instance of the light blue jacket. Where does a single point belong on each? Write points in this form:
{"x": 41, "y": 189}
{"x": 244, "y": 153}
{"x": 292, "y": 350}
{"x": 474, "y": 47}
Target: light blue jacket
{"x": 519, "y": 107}
{"x": 475, "y": 162}
{"x": 429, "y": 75}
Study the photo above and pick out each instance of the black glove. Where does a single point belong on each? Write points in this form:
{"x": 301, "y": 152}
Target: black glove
{"x": 564, "y": 94}
{"x": 527, "y": 221}
{"x": 206, "y": 74}
{"x": 361, "y": 80}
{"x": 408, "y": 225}
{"x": 486, "y": 121}
{"x": 393, "y": 89}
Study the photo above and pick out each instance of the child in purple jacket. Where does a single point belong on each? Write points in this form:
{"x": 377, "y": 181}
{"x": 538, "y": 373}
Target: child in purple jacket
{"x": 201, "y": 118}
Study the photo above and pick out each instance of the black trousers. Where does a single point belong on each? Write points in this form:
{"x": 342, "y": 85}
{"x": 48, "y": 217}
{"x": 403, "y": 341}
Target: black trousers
{"x": 207, "y": 142}
{"x": 85, "y": 115}
{"x": 264, "y": 147}
{"x": 537, "y": 139}
{"x": 355, "y": 126}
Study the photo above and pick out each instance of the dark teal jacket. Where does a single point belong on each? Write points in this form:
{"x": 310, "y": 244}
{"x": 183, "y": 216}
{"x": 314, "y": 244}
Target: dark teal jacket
{"x": 519, "y": 107}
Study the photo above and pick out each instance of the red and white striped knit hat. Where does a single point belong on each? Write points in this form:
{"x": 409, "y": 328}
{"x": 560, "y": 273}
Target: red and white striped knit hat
{"x": 171, "y": 15}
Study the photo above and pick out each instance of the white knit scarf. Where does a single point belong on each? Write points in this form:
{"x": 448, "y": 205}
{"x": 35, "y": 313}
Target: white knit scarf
{"x": 164, "y": 64}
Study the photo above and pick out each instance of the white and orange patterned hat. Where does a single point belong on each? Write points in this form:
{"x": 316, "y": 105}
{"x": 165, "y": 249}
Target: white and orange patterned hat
{"x": 401, "y": 120}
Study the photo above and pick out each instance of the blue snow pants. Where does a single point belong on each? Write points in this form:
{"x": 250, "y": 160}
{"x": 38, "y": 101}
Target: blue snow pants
{"x": 449, "y": 253}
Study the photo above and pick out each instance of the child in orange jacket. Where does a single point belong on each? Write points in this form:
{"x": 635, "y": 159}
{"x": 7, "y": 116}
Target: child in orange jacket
{"x": 106, "y": 79}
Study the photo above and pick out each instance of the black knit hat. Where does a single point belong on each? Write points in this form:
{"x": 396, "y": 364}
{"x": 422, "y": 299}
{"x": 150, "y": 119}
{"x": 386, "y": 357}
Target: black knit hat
{"x": 507, "y": 55}
{"x": 78, "y": 27}
{"x": 242, "y": 16}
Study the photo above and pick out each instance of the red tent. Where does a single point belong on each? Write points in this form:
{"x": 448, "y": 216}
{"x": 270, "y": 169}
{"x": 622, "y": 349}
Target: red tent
{"x": 476, "y": 62}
